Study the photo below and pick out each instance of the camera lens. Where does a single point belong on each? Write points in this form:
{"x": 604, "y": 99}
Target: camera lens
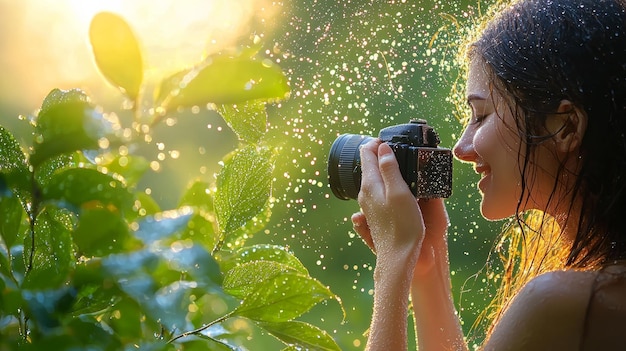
{"x": 344, "y": 165}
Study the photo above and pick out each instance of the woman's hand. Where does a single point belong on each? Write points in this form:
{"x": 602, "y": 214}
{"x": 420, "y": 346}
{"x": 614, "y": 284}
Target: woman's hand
{"x": 435, "y": 245}
{"x": 393, "y": 222}
{"x": 391, "y": 213}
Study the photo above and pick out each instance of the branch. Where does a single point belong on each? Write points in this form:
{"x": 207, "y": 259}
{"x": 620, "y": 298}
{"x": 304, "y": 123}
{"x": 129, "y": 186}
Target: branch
{"x": 204, "y": 327}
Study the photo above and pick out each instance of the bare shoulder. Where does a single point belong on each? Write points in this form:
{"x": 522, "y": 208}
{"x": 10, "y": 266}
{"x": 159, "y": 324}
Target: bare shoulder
{"x": 605, "y": 327}
{"x": 548, "y": 313}
{"x": 566, "y": 284}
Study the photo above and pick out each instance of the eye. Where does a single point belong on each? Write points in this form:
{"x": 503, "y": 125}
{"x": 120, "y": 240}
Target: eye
{"x": 477, "y": 119}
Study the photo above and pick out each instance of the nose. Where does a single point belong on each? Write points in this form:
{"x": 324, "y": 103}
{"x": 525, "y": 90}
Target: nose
{"x": 464, "y": 147}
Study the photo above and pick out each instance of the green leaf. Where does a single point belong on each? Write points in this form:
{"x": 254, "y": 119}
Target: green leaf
{"x": 117, "y": 52}
{"x": 141, "y": 275}
{"x": 77, "y": 188}
{"x": 68, "y": 122}
{"x": 243, "y": 187}
{"x": 130, "y": 167}
{"x": 202, "y": 227}
{"x": 14, "y": 168}
{"x": 192, "y": 259}
{"x": 207, "y": 344}
{"x": 4, "y": 188}
{"x": 261, "y": 252}
{"x": 283, "y": 298}
{"x": 126, "y": 318}
{"x": 301, "y": 336}
{"x": 145, "y": 206}
{"x": 225, "y": 79}
{"x": 11, "y": 220}
{"x": 162, "y": 225}
{"x": 100, "y": 231}
{"x": 18, "y": 263}
{"x": 198, "y": 195}
{"x": 244, "y": 279}
{"x": 169, "y": 305}
{"x": 223, "y": 336}
{"x": 46, "y": 306}
{"x": 169, "y": 86}
{"x": 149, "y": 345}
{"x": 95, "y": 293}
{"x": 52, "y": 258}
{"x": 89, "y": 334}
{"x": 141, "y": 287}
{"x": 5, "y": 268}
{"x": 129, "y": 265}
{"x": 74, "y": 334}
{"x": 53, "y": 165}
{"x": 247, "y": 119}
{"x": 10, "y": 295}
{"x": 239, "y": 237}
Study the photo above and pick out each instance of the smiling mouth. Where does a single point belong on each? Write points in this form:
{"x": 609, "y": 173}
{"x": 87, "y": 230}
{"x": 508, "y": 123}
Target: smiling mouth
{"x": 482, "y": 170}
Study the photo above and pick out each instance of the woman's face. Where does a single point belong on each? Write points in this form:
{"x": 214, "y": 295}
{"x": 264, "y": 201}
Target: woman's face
{"x": 491, "y": 142}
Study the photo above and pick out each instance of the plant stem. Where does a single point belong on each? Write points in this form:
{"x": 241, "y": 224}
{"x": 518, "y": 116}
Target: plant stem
{"x": 217, "y": 247}
{"x": 32, "y": 218}
{"x": 202, "y": 328}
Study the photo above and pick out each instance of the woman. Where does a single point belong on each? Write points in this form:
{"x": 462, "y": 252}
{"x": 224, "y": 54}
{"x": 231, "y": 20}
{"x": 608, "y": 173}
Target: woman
{"x": 547, "y": 91}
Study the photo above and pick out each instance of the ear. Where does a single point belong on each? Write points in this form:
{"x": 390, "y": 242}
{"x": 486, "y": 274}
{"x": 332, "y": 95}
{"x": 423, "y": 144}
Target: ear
{"x": 567, "y": 126}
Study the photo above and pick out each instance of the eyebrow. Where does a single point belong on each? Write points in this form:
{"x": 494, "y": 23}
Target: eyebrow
{"x": 473, "y": 97}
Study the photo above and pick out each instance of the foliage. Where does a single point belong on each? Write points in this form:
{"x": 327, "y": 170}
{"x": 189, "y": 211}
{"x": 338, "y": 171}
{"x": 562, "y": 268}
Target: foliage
{"x": 87, "y": 261}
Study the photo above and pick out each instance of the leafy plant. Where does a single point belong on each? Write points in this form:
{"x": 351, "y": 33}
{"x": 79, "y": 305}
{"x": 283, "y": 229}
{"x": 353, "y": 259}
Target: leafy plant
{"x": 87, "y": 261}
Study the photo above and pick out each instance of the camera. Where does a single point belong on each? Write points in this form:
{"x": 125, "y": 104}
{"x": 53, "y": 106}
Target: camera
{"x": 426, "y": 167}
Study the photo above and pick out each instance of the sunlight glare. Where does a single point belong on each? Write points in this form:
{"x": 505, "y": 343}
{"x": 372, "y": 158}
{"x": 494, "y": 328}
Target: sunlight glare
{"x": 50, "y": 46}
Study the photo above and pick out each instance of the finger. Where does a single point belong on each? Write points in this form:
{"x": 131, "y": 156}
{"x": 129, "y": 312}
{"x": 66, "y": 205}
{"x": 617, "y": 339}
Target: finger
{"x": 390, "y": 171}
{"x": 369, "y": 158}
{"x": 370, "y": 175}
{"x": 359, "y": 223}
{"x": 434, "y": 213}
{"x": 432, "y": 206}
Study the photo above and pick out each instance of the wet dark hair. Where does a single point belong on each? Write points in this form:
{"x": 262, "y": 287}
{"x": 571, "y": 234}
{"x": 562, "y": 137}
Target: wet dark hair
{"x": 540, "y": 52}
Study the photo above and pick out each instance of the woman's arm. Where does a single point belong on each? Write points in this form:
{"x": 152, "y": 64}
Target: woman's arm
{"x": 388, "y": 329}
{"x": 437, "y": 324}
{"x": 393, "y": 226}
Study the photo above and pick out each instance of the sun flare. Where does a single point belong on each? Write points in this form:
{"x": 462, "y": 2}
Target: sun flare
{"x": 48, "y": 46}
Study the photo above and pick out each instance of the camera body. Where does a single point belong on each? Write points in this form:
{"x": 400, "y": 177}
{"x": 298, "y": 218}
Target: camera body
{"x": 426, "y": 167}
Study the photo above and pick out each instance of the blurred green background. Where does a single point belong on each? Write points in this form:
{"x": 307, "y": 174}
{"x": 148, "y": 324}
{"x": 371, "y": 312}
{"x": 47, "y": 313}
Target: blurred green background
{"x": 353, "y": 67}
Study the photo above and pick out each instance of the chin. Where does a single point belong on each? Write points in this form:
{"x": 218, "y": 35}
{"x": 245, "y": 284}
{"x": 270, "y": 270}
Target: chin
{"x": 494, "y": 212}
{"x": 492, "y": 217}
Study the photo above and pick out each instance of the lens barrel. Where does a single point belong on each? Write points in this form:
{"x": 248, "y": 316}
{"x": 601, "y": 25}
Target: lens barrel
{"x": 344, "y": 165}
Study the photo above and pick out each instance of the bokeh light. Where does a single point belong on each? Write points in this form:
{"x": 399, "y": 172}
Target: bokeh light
{"x": 353, "y": 67}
